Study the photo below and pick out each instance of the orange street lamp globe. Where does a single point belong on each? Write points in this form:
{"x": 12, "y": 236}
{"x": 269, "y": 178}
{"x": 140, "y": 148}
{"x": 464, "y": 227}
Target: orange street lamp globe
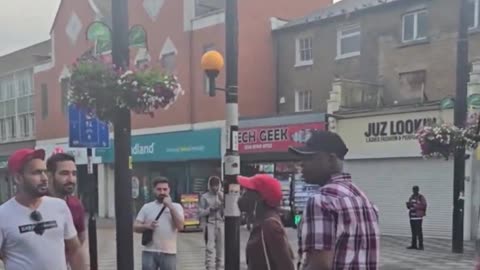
{"x": 212, "y": 61}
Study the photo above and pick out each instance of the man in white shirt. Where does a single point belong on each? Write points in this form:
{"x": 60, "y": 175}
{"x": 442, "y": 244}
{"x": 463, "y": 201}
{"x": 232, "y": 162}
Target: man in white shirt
{"x": 36, "y": 231}
{"x": 161, "y": 252}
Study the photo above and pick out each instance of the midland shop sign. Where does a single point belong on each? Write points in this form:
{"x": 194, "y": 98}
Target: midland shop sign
{"x": 276, "y": 138}
{"x": 175, "y": 146}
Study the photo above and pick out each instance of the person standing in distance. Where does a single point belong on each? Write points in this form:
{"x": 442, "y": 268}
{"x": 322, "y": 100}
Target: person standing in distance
{"x": 161, "y": 252}
{"x": 340, "y": 225}
{"x": 62, "y": 172}
{"x": 37, "y": 231}
{"x": 212, "y": 212}
{"x": 417, "y": 206}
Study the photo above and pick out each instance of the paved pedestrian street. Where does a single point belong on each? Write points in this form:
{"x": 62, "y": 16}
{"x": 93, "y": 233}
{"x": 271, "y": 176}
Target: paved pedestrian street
{"x": 394, "y": 256}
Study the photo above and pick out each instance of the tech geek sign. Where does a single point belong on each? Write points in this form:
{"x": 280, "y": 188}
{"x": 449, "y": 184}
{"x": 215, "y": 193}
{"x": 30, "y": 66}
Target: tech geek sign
{"x": 275, "y": 139}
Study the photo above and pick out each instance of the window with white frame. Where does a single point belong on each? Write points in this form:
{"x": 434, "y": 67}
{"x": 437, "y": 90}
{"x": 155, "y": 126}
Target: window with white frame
{"x": 304, "y": 53}
{"x": 348, "y": 41}
{"x": 303, "y": 101}
{"x": 473, "y": 9}
{"x": 16, "y": 106}
{"x": 415, "y": 26}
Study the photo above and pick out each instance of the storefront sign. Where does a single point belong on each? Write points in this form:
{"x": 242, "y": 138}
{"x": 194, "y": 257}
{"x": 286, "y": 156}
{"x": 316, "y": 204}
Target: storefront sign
{"x": 175, "y": 146}
{"x": 389, "y": 135}
{"x": 190, "y": 205}
{"x": 398, "y": 130}
{"x": 275, "y": 139}
{"x": 80, "y": 154}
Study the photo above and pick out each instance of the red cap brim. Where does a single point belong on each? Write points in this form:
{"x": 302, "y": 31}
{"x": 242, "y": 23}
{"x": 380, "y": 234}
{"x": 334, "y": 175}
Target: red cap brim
{"x": 246, "y": 182}
{"x": 39, "y": 153}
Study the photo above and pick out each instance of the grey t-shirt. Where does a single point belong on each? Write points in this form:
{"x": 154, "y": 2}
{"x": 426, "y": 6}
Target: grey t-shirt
{"x": 22, "y": 248}
{"x": 165, "y": 234}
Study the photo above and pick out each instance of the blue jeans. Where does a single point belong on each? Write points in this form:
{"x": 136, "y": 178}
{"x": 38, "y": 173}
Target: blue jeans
{"x": 158, "y": 261}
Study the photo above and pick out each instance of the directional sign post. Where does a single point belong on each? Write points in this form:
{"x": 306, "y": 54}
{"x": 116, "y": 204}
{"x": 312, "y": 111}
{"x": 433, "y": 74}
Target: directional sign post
{"x": 88, "y": 132}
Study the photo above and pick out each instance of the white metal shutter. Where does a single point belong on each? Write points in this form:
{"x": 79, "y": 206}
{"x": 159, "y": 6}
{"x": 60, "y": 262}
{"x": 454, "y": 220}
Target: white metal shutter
{"x": 388, "y": 183}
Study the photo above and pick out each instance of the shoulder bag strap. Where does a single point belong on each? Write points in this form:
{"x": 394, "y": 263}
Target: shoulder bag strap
{"x": 265, "y": 251}
{"x": 161, "y": 212}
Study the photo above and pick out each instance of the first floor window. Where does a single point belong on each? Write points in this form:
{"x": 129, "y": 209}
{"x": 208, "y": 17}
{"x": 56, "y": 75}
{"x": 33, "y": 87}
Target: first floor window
{"x": 473, "y": 7}
{"x": 3, "y": 130}
{"x": 303, "y": 101}
{"x": 11, "y": 127}
{"x": 348, "y": 42}
{"x": 304, "y": 51}
{"x": 25, "y": 124}
{"x": 415, "y": 26}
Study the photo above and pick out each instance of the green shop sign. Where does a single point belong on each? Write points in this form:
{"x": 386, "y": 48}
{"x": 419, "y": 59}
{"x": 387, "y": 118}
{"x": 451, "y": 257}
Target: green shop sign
{"x": 176, "y": 146}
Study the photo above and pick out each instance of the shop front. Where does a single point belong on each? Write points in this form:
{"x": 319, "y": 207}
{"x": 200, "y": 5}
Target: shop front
{"x": 186, "y": 158}
{"x": 263, "y": 146}
{"x": 7, "y": 185}
{"x": 385, "y": 161}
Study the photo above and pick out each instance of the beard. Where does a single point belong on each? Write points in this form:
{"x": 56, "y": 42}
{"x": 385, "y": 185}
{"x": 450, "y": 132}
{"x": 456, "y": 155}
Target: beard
{"x": 36, "y": 191}
{"x": 68, "y": 189}
{"x": 160, "y": 198}
{"x": 65, "y": 189}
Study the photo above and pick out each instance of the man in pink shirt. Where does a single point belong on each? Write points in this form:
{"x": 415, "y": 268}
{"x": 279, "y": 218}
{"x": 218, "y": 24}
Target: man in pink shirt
{"x": 62, "y": 172}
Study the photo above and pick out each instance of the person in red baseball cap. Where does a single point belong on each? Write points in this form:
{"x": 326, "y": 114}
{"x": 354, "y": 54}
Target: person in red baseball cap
{"x": 268, "y": 247}
{"x": 35, "y": 230}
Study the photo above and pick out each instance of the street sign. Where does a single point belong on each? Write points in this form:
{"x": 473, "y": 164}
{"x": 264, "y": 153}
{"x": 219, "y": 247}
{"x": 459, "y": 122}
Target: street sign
{"x": 86, "y": 131}
{"x": 135, "y": 187}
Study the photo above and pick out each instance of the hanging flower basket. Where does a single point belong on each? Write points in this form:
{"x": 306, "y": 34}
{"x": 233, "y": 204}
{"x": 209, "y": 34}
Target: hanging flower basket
{"x": 445, "y": 140}
{"x": 101, "y": 89}
{"x": 440, "y": 140}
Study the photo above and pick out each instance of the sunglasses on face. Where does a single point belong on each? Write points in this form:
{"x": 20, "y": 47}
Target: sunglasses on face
{"x": 37, "y": 217}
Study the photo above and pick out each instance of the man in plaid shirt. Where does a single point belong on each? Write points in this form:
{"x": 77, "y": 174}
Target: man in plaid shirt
{"x": 339, "y": 229}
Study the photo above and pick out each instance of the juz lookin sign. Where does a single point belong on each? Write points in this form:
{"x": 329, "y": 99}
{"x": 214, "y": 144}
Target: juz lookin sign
{"x": 398, "y": 130}
{"x": 276, "y": 138}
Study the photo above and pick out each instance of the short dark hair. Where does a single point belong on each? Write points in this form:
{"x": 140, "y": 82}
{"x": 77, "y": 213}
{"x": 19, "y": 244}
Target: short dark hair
{"x": 160, "y": 180}
{"x": 214, "y": 181}
{"x": 56, "y": 158}
{"x": 416, "y": 188}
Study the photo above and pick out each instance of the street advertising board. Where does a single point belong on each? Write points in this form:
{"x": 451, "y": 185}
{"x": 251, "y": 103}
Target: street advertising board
{"x": 275, "y": 138}
{"x": 190, "y": 203}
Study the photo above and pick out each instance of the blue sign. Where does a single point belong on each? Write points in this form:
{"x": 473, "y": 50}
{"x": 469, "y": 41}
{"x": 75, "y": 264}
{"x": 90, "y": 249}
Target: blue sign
{"x": 86, "y": 131}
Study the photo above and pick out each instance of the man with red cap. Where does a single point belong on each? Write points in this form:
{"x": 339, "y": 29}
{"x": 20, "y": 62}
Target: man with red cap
{"x": 35, "y": 230}
{"x": 268, "y": 247}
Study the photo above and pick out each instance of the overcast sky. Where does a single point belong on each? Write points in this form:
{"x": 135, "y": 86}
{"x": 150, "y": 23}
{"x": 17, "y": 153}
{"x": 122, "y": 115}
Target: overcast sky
{"x": 25, "y": 22}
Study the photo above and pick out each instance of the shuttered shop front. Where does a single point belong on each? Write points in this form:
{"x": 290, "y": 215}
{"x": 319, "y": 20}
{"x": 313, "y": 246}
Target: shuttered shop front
{"x": 388, "y": 184}
{"x": 385, "y": 161}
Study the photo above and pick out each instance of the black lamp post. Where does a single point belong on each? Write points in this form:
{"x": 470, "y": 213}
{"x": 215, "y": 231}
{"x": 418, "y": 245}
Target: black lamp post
{"x": 212, "y": 62}
{"x": 460, "y": 115}
{"x": 120, "y": 37}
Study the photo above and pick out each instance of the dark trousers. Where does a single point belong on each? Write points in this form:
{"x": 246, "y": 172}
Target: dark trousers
{"x": 417, "y": 233}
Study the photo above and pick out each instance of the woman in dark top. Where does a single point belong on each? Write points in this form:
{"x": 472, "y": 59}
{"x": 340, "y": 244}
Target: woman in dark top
{"x": 268, "y": 247}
